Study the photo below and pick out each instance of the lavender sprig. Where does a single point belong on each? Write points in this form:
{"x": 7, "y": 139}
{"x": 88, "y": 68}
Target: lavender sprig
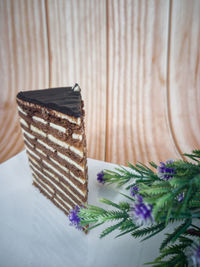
{"x": 164, "y": 171}
{"x": 74, "y": 218}
{"x": 100, "y": 177}
{"x": 141, "y": 212}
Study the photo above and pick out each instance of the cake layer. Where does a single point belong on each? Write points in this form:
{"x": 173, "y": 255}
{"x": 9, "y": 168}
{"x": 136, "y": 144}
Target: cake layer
{"x": 62, "y": 157}
{"x": 75, "y": 139}
{"x": 75, "y": 193}
{"x": 54, "y": 190}
{"x": 57, "y": 117}
{"x": 54, "y": 139}
{"x": 52, "y": 146}
{"x": 58, "y": 172}
{"x": 57, "y": 189}
{"x": 62, "y": 165}
{"x": 56, "y": 202}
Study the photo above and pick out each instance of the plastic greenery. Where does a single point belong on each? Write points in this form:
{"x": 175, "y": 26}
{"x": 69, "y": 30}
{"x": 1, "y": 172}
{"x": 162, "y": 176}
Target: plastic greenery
{"x": 154, "y": 200}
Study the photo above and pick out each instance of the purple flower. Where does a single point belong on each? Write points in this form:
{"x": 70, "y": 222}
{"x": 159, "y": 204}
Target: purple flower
{"x": 141, "y": 212}
{"x": 100, "y": 177}
{"x": 73, "y": 217}
{"x": 139, "y": 198}
{"x": 134, "y": 190}
{"x": 180, "y": 197}
{"x": 164, "y": 169}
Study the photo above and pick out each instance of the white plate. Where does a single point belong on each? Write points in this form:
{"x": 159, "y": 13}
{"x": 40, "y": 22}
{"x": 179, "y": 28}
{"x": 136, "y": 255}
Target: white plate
{"x": 33, "y": 232}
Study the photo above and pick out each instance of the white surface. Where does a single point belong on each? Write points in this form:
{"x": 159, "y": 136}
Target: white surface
{"x": 33, "y": 232}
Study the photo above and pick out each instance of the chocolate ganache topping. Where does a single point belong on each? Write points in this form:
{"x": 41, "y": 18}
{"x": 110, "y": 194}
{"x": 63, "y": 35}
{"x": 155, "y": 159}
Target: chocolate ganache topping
{"x": 66, "y": 100}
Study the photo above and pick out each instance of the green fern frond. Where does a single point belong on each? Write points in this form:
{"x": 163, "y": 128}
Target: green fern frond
{"x": 127, "y": 224}
{"x": 126, "y": 232}
{"x": 124, "y": 206}
{"x": 112, "y": 215}
{"x": 109, "y": 202}
{"x": 176, "y": 234}
{"x": 162, "y": 201}
{"x": 179, "y": 260}
{"x": 148, "y": 230}
{"x": 154, "y": 190}
{"x": 110, "y": 229}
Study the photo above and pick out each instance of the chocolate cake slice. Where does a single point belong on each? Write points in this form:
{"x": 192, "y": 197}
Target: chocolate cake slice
{"x": 52, "y": 122}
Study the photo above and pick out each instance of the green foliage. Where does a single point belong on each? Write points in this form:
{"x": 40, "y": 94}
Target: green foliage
{"x": 176, "y": 199}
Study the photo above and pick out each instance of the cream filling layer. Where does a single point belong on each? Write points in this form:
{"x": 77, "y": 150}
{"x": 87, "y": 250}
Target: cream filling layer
{"x": 44, "y": 184}
{"x": 67, "y": 170}
{"x": 58, "y": 127}
{"x": 53, "y": 184}
{"x": 67, "y": 204}
{"x": 28, "y": 134}
{"x": 49, "y": 173}
{"x": 22, "y": 111}
{"x": 23, "y": 122}
{"x": 67, "y": 187}
{"x": 53, "y": 125}
{"x": 58, "y": 164}
{"x": 56, "y": 178}
{"x": 54, "y": 140}
{"x": 59, "y": 204}
{"x": 60, "y": 174}
{"x": 28, "y": 142}
{"x": 41, "y": 187}
{"x": 65, "y": 145}
{"x": 62, "y": 167}
{"x": 36, "y": 130}
{"x": 77, "y": 136}
{"x": 33, "y": 154}
{"x": 45, "y": 145}
{"x": 40, "y": 151}
{"x": 70, "y": 119}
{"x": 35, "y": 118}
{"x": 70, "y": 161}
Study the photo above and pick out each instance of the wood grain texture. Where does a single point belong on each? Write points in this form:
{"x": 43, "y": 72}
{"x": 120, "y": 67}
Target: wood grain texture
{"x": 24, "y": 64}
{"x": 77, "y": 47}
{"x": 137, "y": 121}
{"x": 184, "y": 74}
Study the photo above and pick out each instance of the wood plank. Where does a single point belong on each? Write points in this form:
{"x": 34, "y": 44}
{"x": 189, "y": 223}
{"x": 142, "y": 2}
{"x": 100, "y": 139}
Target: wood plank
{"x": 24, "y": 64}
{"x": 184, "y": 74}
{"x": 77, "y": 45}
{"x": 137, "y": 123}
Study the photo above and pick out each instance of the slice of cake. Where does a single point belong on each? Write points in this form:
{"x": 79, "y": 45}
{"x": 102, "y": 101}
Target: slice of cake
{"x": 52, "y": 122}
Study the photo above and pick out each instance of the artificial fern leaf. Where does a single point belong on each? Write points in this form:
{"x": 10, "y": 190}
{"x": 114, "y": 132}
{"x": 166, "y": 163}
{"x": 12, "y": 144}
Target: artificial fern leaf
{"x": 177, "y": 233}
{"x": 161, "y": 202}
{"x": 148, "y": 230}
{"x": 93, "y": 209}
{"x": 113, "y": 215}
{"x": 124, "y": 206}
{"x": 93, "y": 226}
{"x": 127, "y": 224}
{"x": 109, "y": 202}
{"x": 126, "y": 232}
{"x": 155, "y": 190}
{"x": 110, "y": 229}
{"x": 166, "y": 241}
{"x": 186, "y": 199}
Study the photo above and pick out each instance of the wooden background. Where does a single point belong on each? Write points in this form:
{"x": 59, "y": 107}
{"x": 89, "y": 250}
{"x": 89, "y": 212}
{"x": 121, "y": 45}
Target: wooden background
{"x": 137, "y": 62}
